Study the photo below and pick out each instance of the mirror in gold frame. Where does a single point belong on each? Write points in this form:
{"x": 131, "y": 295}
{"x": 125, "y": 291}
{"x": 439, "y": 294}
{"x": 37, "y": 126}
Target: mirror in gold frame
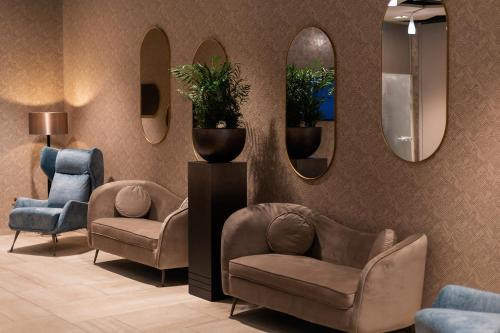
{"x": 208, "y": 51}
{"x": 414, "y": 77}
{"x": 155, "y": 85}
{"x": 310, "y": 103}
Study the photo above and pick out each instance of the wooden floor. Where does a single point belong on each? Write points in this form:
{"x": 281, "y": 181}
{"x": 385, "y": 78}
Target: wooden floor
{"x": 67, "y": 293}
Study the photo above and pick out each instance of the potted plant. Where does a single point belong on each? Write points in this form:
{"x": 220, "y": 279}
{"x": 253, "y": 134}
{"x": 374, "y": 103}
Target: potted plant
{"x": 303, "y": 101}
{"x": 217, "y": 92}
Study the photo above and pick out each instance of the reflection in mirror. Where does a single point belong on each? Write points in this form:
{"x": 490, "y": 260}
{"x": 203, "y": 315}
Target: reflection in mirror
{"x": 310, "y": 103}
{"x": 208, "y": 52}
{"x": 414, "y": 77}
{"x": 155, "y": 85}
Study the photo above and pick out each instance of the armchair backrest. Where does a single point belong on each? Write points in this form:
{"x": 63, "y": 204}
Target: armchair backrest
{"x": 75, "y": 173}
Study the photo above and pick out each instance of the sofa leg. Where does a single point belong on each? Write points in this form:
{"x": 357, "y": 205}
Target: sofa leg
{"x": 411, "y": 329}
{"x": 14, "y": 242}
{"x": 54, "y": 241}
{"x": 163, "y": 278}
{"x": 235, "y": 300}
{"x": 95, "y": 256}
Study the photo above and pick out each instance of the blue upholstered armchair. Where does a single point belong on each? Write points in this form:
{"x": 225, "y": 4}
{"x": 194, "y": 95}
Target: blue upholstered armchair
{"x": 74, "y": 173}
{"x": 461, "y": 310}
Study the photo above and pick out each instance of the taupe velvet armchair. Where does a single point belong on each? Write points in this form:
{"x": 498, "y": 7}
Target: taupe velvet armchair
{"x": 347, "y": 280}
{"x": 158, "y": 239}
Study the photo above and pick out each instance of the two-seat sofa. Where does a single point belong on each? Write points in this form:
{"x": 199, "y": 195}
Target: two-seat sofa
{"x": 157, "y": 239}
{"x": 347, "y": 280}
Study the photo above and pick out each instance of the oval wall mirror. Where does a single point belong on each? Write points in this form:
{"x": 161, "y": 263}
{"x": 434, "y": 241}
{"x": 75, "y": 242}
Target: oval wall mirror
{"x": 155, "y": 85}
{"x": 310, "y": 103}
{"x": 208, "y": 51}
{"x": 414, "y": 77}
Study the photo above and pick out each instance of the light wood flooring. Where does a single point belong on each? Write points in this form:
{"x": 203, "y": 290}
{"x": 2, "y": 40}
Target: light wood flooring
{"x": 67, "y": 293}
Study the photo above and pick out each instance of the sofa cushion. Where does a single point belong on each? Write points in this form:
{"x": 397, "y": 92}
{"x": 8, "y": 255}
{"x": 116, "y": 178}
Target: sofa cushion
{"x": 69, "y": 187}
{"x": 317, "y": 280}
{"x": 384, "y": 241}
{"x": 456, "y": 321}
{"x": 41, "y": 219}
{"x": 290, "y": 233}
{"x": 133, "y": 201}
{"x": 133, "y": 231}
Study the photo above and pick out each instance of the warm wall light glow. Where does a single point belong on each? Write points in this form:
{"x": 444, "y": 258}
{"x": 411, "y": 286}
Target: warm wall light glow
{"x": 393, "y": 3}
{"x": 412, "y": 30}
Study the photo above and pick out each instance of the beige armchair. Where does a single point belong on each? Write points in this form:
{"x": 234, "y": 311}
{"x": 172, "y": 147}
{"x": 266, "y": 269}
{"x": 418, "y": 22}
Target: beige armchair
{"x": 158, "y": 239}
{"x": 347, "y": 280}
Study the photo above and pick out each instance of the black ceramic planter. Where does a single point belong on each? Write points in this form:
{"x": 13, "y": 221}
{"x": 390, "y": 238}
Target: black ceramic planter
{"x": 302, "y": 142}
{"x": 219, "y": 145}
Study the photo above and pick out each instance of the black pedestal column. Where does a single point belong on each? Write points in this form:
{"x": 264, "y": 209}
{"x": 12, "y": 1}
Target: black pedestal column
{"x": 215, "y": 190}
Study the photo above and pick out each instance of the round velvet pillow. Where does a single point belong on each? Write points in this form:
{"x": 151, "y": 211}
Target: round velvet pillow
{"x": 133, "y": 201}
{"x": 290, "y": 233}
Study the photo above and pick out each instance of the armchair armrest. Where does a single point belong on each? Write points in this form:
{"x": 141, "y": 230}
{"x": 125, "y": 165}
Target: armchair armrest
{"x": 244, "y": 234}
{"x": 28, "y": 202}
{"x": 391, "y": 287}
{"x": 173, "y": 243}
{"x": 102, "y": 204}
{"x": 468, "y": 299}
{"x": 73, "y": 216}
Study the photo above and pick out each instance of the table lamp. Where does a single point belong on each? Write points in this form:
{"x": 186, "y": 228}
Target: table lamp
{"x": 48, "y": 123}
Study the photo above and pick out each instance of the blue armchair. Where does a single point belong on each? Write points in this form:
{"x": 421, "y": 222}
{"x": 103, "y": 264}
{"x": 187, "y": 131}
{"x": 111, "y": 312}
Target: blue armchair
{"x": 461, "y": 310}
{"x": 74, "y": 173}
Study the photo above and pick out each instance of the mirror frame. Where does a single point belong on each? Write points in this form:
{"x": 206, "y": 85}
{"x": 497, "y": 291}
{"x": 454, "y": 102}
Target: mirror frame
{"x": 196, "y": 155}
{"x": 169, "y": 104}
{"x": 335, "y": 101}
{"x": 445, "y": 132}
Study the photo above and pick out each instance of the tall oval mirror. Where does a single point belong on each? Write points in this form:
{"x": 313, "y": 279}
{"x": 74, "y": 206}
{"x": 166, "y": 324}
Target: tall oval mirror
{"x": 414, "y": 77}
{"x": 155, "y": 85}
{"x": 208, "y": 52}
{"x": 310, "y": 103}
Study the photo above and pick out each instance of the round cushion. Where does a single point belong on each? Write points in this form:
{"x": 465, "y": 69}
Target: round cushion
{"x": 290, "y": 233}
{"x": 133, "y": 201}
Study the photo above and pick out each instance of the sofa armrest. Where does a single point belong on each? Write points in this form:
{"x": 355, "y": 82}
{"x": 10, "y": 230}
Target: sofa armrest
{"x": 467, "y": 299}
{"x": 173, "y": 243}
{"x": 391, "y": 286}
{"x": 28, "y": 202}
{"x": 244, "y": 234}
{"x": 73, "y": 216}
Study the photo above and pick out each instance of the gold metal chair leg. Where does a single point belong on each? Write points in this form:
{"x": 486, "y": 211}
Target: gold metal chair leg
{"x": 235, "y": 300}
{"x": 54, "y": 241}
{"x": 95, "y": 256}
{"x": 14, "y": 242}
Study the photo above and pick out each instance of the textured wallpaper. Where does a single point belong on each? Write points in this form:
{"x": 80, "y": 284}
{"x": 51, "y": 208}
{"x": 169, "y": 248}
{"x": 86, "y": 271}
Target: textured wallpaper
{"x": 30, "y": 80}
{"x": 454, "y": 197}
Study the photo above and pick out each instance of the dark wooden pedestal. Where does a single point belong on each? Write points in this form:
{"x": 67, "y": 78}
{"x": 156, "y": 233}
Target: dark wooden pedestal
{"x": 215, "y": 190}
{"x": 310, "y": 167}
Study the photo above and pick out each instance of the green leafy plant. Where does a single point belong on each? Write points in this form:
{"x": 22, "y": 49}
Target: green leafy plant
{"x": 217, "y": 92}
{"x": 302, "y": 88}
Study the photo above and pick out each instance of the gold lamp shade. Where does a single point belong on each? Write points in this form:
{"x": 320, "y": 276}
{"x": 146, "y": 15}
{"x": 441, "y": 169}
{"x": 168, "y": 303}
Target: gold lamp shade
{"x": 48, "y": 123}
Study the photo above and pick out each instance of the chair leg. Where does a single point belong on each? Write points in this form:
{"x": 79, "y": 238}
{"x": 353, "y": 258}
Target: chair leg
{"x": 54, "y": 241}
{"x": 57, "y": 240}
{"x": 235, "y": 300}
{"x": 163, "y": 278}
{"x": 14, "y": 242}
{"x": 96, "y": 253}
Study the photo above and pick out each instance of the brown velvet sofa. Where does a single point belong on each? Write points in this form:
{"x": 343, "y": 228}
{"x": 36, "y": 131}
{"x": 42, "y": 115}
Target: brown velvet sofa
{"x": 158, "y": 239}
{"x": 347, "y": 280}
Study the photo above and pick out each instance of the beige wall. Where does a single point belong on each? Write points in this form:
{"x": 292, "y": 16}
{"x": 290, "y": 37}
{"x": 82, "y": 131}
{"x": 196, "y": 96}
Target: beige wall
{"x": 453, "y": 197}
{"x": 30, "y": 80}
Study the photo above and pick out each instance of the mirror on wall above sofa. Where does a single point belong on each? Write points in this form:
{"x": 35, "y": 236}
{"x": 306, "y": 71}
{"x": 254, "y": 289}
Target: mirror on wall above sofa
{"x": 155, "y": 85}
{"x": 310, "y": 103}
{"x": 209, "y": 50}
{"x": 414, "y": 77}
